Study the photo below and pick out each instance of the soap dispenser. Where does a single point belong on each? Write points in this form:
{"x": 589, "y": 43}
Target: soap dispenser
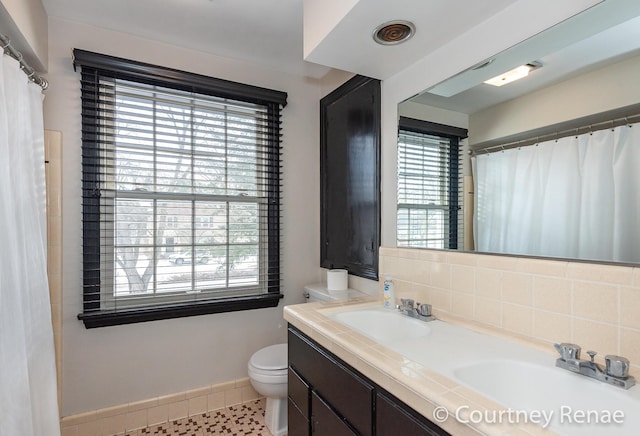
{"x": 389, "y": 297}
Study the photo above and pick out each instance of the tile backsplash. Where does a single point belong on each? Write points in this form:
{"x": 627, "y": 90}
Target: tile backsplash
{"x": 593, "y": 305}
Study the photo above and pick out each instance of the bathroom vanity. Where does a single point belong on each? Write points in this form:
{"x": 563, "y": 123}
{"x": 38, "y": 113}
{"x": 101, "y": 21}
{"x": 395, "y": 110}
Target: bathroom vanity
{"x": 329, "y": 397}
{"x": 356, "y": 368}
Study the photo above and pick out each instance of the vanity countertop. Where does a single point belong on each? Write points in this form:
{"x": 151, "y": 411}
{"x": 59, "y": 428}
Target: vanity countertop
{"x": 429, "y": 387}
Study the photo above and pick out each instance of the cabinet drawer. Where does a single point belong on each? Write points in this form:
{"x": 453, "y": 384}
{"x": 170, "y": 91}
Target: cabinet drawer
{"x": 394, "y": 418}
{"x": 297, "y": 424}
{"x": 298, "y": 392}
{"x": 325, "y": 422}
{"x": 348, "y": 393}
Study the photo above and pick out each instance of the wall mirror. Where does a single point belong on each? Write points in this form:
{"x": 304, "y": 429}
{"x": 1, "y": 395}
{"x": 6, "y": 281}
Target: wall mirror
{"x": 583, "y": 83}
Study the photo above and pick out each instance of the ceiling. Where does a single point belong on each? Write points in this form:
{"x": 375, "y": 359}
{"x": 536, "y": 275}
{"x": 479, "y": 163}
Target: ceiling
{"x": 258, "y": 31}
{"x": 607, "y": 33}
{"x": 269, "y": 32}
{"x": 349, "y": 45}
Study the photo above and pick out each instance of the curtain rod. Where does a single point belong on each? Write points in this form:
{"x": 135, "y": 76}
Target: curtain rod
{"x": 31, "y": 74}
{"x": 608, "y": 124}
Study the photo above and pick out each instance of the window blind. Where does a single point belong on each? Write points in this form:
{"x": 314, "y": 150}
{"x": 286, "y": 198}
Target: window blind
{"x": 181, "y": 195}
{"x": 429, "y": 190}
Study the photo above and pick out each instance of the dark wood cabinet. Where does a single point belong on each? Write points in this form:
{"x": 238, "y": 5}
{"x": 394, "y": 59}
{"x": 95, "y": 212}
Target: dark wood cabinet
{"x": 328, "y": 397}
{"x": 394, "y": 418}
{"x": 299, "y": 404}
{"x": 350, "y": 177}
{"x": 350, "y": 395}
{"x": 298, "y": 424}
{"x": 326, "y": 422}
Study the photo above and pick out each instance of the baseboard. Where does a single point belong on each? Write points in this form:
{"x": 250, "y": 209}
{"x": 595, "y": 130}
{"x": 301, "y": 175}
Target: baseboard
{"x": 118, "y": 420}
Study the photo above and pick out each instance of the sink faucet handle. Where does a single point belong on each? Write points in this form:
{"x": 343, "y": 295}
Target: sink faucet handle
{"x": 424, "y": 309}
{"x": 407, "y": 302}
{"x": 568, "y": 351}
{"x": 592, "y": 355}
{"x": 617, "y": 366}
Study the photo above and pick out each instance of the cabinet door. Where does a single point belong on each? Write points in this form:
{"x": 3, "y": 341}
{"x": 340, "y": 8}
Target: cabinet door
{"x": 298, "y": 405}
{"x": 297, "y": 423}
{"x": 324, "y": 422}
{"x": 349, "y": 394}
{"x": 394, "y": 418}
{"x": 350, "y": 177}
{"x": 298, "y": 391}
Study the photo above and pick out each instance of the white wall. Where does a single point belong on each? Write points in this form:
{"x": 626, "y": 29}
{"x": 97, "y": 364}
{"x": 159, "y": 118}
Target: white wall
{"x": 332, "y": 80}
{"x": 25, "y": 23}
{"x": 519, "y": 21}
{"x": 121, "y": 364}
{"x": 605, "y": 89}
{"x": 320, "y": 17}
{"x": 432, "y": 114}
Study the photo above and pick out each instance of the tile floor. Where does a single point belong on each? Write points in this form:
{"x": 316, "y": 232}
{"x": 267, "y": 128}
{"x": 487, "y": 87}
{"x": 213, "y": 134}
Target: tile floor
{"x": 243, "y": 419}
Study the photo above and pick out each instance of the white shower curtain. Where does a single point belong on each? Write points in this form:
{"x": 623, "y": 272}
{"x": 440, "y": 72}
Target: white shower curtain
{"x": 577, "y": 197}
{"x": 28, "y": 396}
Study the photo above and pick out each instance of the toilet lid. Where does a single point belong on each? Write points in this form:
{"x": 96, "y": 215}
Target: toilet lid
{"x": 271, "y": 358}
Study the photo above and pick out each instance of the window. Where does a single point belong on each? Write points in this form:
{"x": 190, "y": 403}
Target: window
{"x": 428, "y": 185}
{"x": 181, "y": 193}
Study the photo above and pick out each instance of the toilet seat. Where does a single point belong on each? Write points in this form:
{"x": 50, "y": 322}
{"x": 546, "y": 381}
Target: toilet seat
{"x": 269, "y": 365}
{"x": 272, "y": 378}
{"x": 270, "y": 359}
{"x": 267, "y": 372}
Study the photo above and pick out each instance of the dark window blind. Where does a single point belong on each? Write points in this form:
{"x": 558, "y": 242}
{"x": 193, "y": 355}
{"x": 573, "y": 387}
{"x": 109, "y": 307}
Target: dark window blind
{"x": 429, "y": 189}
{"x": 181, "y": 195}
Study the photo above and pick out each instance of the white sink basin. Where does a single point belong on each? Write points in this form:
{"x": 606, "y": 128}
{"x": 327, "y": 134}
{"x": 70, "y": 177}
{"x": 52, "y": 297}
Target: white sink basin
{"x": 516, "y": 376}
{"x": 558, "y": 393}
{"x": 383, "y": 325}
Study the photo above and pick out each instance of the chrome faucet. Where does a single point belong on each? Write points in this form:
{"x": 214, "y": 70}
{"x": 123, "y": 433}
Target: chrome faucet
{"x": 615, "y": 372}
{"x": 417, "y": 311}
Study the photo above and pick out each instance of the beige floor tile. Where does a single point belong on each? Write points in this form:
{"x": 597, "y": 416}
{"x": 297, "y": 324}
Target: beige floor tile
{"x": 241, "y": 419}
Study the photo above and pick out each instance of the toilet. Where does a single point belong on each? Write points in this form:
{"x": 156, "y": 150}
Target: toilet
{"x": 268, "y": 366}
{"x": 268, "y": 375}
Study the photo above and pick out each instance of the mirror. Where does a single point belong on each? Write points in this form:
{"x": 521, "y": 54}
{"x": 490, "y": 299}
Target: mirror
{"x": 585, "y": 78}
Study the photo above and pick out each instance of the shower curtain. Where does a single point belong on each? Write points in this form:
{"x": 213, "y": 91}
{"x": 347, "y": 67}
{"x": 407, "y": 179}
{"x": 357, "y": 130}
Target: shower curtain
{"x": 577, "y": 197}
{"x": 28, "y": 397}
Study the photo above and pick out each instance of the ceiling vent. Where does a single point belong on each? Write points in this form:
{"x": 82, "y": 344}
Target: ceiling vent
{"x": 394, "y": 32}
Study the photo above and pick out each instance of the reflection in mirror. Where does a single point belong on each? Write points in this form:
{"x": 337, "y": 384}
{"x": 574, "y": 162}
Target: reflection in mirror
{"x": 429, "y": 185}
{"x": 554, "y": 156}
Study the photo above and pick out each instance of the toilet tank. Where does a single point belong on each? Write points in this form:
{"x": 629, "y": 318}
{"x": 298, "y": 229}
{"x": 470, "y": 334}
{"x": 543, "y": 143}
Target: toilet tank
{"x": 319, "y": 292}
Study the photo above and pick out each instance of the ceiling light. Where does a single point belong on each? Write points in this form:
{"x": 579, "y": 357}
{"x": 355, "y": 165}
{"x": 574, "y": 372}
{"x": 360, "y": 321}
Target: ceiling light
{"x": 394, "y": 32}
{"x": 513, "y": 75}
{"x": 483, "y": 64}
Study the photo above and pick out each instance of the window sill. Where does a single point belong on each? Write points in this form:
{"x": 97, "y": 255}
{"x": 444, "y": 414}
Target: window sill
{"x": 130, "y": 316}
